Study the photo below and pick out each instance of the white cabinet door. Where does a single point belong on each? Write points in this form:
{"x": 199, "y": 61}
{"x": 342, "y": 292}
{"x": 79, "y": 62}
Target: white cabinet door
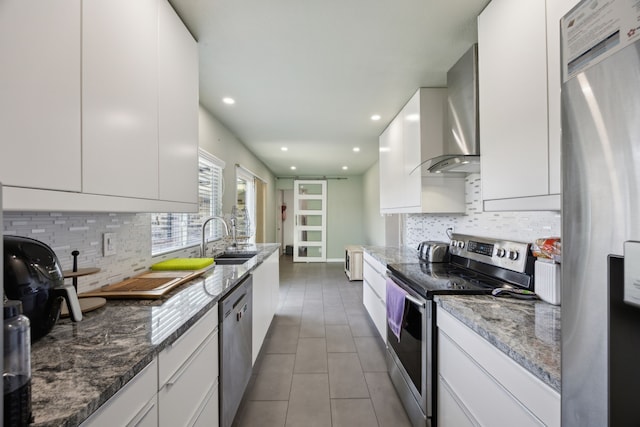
{"x": 266, "y": 288}
{"x": 177, "y": 108}
{"x": 391, "y": 167}
{"x": 40, "y": 87}
{"x": 411, "y": 188}
{"x": 513, "y": 99}
{"x": 374, "y": 293}
{"x": 120, "y": 97}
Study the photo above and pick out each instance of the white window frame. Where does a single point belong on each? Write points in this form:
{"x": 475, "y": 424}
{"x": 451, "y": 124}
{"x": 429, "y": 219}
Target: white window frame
{"x": 176, "y": 231}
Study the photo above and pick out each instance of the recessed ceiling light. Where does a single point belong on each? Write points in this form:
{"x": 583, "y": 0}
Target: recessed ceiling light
{"x": 344, "y": 168}
{"x": 293, "y": 168}
{"x": 375, "y": 117}
{"x": 284, "y": 148}
{"x": 229, "y": 101}
{"x": 356, "y": 149}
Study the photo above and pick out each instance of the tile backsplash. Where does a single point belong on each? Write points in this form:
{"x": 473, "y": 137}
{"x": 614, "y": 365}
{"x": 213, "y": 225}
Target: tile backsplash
{"x": 66, "y": 232}
{"x": 520, "y": 226}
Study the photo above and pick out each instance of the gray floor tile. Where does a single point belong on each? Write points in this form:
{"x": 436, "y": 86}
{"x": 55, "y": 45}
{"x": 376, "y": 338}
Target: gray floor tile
{"x": 334, "y": 316}
{"x": 389, "y": 409}
{"x": 339, "y": 339}
{"x": 282, "y": 339}
{"x": 346, "y": 379}
{"x": 264, "y": 414}
{"x": 309, "y": 405}
{"x": 353, "y": 413}
{"x": 361, "y": 325}
{"x": 372, "y": 354}
{"x": 311, "y": 356}
{"x": 273, "y": 378}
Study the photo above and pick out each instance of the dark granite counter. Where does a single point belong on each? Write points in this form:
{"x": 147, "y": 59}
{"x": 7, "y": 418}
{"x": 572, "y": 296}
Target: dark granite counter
{"x": 78, "y": 366}
{"x": 527, "y": 331}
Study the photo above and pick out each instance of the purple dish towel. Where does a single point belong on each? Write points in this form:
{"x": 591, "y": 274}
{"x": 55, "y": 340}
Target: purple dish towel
{"x": 395, "y": 307}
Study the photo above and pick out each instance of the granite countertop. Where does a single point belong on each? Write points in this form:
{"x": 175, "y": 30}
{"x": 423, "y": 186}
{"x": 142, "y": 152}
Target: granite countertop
{"x": 392, "y": 255}
{"x": 527, "y": 331}
{"x": 78, "y": 366}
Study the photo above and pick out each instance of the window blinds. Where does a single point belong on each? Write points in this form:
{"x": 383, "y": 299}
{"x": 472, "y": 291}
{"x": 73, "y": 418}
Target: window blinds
{"x": 173, "y": 231}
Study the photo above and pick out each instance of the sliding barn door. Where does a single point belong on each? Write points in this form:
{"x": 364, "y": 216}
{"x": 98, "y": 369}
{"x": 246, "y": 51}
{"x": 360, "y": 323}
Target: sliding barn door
{"x": 310, "y": 221}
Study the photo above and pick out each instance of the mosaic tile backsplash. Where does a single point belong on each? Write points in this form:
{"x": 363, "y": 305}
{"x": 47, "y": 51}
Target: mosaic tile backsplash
{"x": 66, "y": 232}
{"x": 519, "y": 226}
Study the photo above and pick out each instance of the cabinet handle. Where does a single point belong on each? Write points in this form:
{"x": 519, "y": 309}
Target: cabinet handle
{"x": 143, "y": 412}
{"x": 175, "y": 377}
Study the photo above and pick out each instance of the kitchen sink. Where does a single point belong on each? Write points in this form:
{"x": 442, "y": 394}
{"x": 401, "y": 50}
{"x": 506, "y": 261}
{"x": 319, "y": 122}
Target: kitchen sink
{"x": 234, "y": 258}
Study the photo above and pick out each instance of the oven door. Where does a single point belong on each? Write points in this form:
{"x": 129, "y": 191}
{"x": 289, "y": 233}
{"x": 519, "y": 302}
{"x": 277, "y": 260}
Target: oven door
{"x": 412, "y": 355}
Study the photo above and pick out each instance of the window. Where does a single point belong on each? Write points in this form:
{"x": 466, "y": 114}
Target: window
{"x": 173, "y": 231}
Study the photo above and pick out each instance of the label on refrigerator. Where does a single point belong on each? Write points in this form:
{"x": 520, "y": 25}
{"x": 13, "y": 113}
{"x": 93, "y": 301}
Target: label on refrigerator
{"x": 632, "y": 273}
{"x": 595, "y": 30}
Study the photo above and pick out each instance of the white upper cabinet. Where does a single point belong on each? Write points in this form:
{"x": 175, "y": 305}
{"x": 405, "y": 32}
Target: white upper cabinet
{"x": 120, "y": 98}
{"x": 101, "y": 107}
{"x": 512, "y": 62}
{"x": 177, "y": 108}
{"x": 40, "y": 87}
{"x": 519, "y": 72}
{"x": 404, "y": 145}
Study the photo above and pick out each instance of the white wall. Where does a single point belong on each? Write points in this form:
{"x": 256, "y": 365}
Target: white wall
{"x": 219, "y": 141}
{"x": 374, "y": 222}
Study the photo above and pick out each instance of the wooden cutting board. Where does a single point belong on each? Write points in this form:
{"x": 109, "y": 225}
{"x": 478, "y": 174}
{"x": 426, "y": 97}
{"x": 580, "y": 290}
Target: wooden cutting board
{"x": 148, "y": 285}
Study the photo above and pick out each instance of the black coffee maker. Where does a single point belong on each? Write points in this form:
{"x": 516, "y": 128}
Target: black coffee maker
{"x": 32, "y": 274}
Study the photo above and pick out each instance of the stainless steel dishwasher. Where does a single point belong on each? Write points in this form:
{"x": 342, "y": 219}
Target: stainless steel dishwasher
{"x": 235, "y": 348}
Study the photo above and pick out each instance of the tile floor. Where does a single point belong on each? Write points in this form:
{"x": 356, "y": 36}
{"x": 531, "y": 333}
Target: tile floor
{"x": 322, "y": 363}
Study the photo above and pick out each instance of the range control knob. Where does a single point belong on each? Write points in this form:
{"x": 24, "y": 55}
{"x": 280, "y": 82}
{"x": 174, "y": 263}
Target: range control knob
{"x": 454, "y": 243}
{"x": 501, "y": 253}
{"x": 513, "y": 255}
{"x": 460, "y": 244}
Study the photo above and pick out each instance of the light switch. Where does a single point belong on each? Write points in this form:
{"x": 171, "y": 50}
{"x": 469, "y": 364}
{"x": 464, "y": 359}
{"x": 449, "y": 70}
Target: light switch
{"x": 108, "y": 244}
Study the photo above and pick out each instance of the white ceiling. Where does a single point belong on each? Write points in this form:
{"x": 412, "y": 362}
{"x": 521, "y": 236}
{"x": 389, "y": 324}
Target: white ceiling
{"x": 309, "y": 74}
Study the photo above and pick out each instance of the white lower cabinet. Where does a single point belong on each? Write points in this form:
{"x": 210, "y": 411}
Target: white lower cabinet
{"x": 266, "y": 289}
{"x": 188, "y": 375}
{"x": 374, "y": 293}
{"x": 179, "y": 388}
{"x": 479, "y": 385}
{"x": 134, "y": 405}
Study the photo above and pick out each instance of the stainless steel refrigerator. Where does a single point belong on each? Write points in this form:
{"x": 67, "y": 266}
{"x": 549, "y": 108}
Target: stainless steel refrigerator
{"x": 601, "y": 214}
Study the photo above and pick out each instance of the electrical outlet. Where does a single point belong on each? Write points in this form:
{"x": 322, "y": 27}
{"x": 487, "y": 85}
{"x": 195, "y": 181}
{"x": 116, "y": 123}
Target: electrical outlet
{"x": 108, "y": 244}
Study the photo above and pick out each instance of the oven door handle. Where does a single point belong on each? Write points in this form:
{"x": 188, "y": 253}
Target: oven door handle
{"x": 415, "y": 301}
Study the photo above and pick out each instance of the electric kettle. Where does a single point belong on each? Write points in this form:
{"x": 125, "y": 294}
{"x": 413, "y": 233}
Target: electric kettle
{"x": 32, "y": 274}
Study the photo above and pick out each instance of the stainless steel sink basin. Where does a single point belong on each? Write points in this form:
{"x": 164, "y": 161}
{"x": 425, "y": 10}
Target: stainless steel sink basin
{"x": 234, "y": 258}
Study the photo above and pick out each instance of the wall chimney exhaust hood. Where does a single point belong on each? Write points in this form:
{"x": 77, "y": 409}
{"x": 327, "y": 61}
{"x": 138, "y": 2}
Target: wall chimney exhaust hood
{"x": 461, "y": 149}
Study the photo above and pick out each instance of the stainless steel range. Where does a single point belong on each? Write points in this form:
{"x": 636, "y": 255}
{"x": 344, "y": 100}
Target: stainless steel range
{"x": 477, "y": 266}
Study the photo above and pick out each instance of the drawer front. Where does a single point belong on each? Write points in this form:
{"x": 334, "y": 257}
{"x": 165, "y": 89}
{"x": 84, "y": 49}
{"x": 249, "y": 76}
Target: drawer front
{"x": 376, "y": 280}
{"x": 134, "y": 403}
{"x": 173, "y": 357}
{"x": 451, "y": 413}
{"x": 485, "y": 399}
{"x": 539, "y": 398}
{"x": 210, "y": 415}
{"x": 183, "y": 394}
{"x": 376, "y": 308}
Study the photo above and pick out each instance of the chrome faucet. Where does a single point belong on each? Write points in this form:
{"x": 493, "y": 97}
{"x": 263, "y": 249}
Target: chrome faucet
{"x": 203, "y": 245}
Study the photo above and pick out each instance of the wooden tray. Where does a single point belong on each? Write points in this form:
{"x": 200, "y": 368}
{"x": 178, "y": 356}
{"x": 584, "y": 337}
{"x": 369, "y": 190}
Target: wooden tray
{"x": 148, "y": 285}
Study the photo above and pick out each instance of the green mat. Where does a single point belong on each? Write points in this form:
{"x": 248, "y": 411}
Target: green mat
{"x": 182, "y": 264}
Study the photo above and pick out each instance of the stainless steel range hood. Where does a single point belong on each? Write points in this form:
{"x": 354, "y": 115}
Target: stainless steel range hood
{"x": 461, "y": 151}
